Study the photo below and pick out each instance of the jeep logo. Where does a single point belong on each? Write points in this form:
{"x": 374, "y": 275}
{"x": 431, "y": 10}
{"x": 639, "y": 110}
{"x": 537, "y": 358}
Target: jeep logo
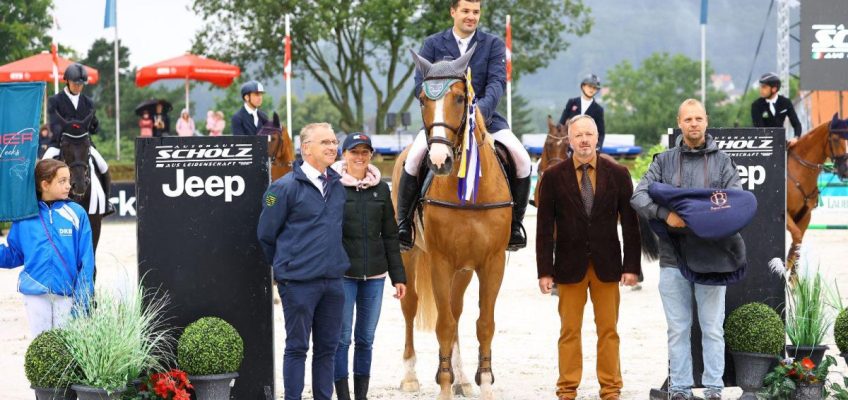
{"x": 202, "y": 154}
{"x": 214, "y": 186}
{"x": 753, "y": 175}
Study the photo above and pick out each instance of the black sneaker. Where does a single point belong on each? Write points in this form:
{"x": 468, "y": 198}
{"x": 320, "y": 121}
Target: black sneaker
{"x": 680, "y": 396}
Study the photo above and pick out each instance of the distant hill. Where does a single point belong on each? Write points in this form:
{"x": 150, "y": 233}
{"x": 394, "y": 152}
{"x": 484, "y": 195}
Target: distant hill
{"x": 623, "y": 30}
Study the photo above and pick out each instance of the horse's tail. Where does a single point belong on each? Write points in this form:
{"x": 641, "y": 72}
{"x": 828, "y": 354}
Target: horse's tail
{"x": 650, "y": 242}
{"x": 425, "y": 316}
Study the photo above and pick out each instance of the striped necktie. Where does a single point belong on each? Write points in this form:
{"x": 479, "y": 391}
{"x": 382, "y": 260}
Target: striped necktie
{"x": 324, "y": 181}
{"x": 586, "y": 189}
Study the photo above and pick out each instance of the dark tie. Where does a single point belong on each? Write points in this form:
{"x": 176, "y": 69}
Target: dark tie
{"x": 586, "y": 189}
{"x": 323, "y": 179}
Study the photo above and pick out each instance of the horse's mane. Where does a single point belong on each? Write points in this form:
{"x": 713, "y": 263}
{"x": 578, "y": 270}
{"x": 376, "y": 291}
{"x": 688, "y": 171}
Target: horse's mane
{"x": 806, "y": 137}
{"x": 484, "y": 133}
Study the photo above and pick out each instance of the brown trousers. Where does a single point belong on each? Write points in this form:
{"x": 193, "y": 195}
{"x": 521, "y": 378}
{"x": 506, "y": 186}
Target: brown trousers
{"x": 605, "y": 301}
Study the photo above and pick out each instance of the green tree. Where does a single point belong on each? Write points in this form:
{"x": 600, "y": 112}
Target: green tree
{"x": 24, "y": 25}
{"x": 350, "y": 46}
{"x": 643, "y": 101}
{"x": 522, "y": 114}
{"x": 101, "y": 56}
{"x": 314, "y": 108}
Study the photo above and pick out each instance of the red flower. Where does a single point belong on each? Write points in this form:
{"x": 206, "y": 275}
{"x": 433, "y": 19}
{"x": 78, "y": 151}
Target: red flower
{"x": 807, "y": 363}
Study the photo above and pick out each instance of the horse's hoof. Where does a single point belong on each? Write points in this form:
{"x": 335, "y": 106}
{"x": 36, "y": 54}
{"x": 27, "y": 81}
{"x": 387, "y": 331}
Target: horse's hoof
{"x": 410, "y": 386}
{"x": 463, "y": 389}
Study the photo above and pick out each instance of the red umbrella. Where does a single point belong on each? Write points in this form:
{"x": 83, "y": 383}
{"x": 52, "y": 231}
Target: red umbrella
{"x": 188, "y": 66}
{"x": 39, "y": 68}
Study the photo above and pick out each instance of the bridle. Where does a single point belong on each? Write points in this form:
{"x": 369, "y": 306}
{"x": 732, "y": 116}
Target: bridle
{"x": 77, "y": 163}
{"x": 458, "y": 131}
{"x": 275, "y": 159}
{"x": 837, "y": 160}
{"x": 556, "y": 141}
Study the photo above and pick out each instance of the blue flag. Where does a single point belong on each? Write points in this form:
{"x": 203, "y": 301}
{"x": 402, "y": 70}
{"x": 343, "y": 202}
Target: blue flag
{"x": 704, "y": 12}
{"x": 20, "y": 113}
{"x": 111, "y": 17}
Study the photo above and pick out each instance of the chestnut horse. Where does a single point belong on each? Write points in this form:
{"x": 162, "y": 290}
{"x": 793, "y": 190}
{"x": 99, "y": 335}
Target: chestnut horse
{"x": 455, "y": 239}
{"x": 554, "y": 151}
{"x": 805, "y": 162}
{"x": 280, "y": 147}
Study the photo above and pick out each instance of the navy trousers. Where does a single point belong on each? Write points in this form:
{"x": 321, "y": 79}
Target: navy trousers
{"x": 311, "y": 307}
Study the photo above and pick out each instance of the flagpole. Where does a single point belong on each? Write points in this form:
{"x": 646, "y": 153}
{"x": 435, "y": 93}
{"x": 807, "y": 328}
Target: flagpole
{"x": 55, "y": 50}
{"x": 704, "y": 53}
{"x": 509, "y": 72}
{"x": 117, "y": 90}
{"x": 287, "y": 73}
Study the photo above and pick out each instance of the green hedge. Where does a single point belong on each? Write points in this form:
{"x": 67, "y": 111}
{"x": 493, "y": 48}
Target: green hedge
{"x": 48, "y": 363}
{"x": 840, "y": 331}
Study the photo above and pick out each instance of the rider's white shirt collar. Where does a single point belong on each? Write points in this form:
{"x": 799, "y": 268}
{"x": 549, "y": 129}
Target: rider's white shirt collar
{"x": 74, "y": 98}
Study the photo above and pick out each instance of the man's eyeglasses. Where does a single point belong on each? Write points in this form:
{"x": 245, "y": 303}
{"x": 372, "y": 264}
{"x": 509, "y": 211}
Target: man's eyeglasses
{"x": 326, "y": 143}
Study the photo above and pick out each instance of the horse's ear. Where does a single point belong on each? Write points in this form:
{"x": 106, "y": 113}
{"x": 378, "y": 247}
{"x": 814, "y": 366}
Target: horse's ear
{"x": 421, "y": 63}
{"x": 87, "y": 121}
{"x": 62, "y": 121}
{"x": 461, "y": 63}
{"x": 277, "y": 121}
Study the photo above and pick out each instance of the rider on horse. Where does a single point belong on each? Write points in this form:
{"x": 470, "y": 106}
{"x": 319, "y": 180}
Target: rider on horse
{"x": 586, "y": 105}
{"x": 249, "y": 118}
{"x": 72, "y": 105}
{"x": 771, "y": 109}
{"x": 488, "y": 69}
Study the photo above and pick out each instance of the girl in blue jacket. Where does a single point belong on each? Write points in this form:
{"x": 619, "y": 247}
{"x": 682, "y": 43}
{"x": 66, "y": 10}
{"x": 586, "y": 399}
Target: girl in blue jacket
{"x": 55, "y": 249}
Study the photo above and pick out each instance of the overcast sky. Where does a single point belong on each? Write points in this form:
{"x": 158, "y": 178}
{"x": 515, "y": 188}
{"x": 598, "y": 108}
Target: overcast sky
{"x": 153, "y": 30}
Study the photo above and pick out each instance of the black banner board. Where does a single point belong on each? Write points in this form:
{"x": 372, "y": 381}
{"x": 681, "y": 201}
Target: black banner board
{"x": 198, "y": 203}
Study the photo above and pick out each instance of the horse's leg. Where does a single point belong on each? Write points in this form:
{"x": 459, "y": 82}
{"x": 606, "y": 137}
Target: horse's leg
{"x": 409, "y": 306}
{"x": 462, "y": 386}
{"x": 797, "y": 235}
{"x": 490, "y": 277}
{"x": 95, "y": 220}
{"x": 443, "y": 275}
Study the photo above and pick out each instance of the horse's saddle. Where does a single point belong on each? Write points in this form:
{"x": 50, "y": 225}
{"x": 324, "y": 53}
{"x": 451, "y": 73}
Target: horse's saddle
{"x": 425, "y": 175}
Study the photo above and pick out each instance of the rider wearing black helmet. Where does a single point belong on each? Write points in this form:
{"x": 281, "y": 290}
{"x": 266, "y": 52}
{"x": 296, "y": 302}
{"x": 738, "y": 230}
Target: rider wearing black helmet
{"x": 771, "y": 109}
{"x": 586, "y": 104}
{"x": 71, "y": 105}
{"x": 249, "y": 118}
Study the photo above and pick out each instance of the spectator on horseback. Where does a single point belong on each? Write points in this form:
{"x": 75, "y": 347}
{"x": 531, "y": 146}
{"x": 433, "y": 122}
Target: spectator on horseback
{"x": 771, "y": 109}
{"x": 586, "y": 105}
{"x": 694, "y": 163}
{"x": 370, "y": 240}
{"x": 249, "y": 118}
{"x": 55, "y": 250}
{"x": 488, "y": 70}
{"x": 71, "y": 107}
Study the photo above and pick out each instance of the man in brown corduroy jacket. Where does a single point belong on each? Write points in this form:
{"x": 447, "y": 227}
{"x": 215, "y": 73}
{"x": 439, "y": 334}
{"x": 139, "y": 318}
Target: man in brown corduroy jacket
{"x": 577, "y": 247}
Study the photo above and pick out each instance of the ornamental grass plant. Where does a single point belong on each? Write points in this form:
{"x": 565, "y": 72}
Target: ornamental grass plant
{"x": 120, "y": 337}
{"x": 810, "y": 302}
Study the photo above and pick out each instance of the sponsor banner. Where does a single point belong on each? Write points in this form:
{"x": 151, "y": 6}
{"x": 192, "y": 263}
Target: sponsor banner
{"x": 760, "y": 158}
{"x": 824, "y": 45}
{"x": 123, "y": 199}
{"x": 198, "y": 201}
{"x": 20, "y": 113}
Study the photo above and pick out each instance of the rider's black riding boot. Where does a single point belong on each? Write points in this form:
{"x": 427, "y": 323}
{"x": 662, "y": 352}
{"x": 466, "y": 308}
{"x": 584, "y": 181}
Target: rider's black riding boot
{"x": 408, "y": 193}
{"x": 107, "y": 190}
{"x": 520, "y": 188}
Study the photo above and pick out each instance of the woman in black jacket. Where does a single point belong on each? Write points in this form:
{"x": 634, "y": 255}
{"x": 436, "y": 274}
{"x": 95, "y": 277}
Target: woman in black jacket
{"x": 371, "y": 242}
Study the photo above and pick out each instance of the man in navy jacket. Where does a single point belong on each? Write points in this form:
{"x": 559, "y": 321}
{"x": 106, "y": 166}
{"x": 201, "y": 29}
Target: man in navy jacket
{"x": 249, "y": 118}
{"x": 488, "y": 73}
{"x": 300, "y": 231}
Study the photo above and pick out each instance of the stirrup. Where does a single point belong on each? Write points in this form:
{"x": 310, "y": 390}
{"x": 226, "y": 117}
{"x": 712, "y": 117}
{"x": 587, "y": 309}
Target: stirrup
{"x": 511, "y": 246}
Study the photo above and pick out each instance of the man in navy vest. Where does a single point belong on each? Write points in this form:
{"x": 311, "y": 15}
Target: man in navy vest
{"x": 249, "y": 118}
{"x": 488, "y": 71}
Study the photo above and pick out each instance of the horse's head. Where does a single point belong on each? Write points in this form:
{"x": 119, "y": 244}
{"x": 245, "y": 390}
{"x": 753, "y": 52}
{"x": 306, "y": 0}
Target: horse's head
{"x": 280, "y": 149}
{"x": 444, "y": 104}
{"x": 74, "y": 150}
{"x": 837, "y": 150}
{"x": 556, "y": 144}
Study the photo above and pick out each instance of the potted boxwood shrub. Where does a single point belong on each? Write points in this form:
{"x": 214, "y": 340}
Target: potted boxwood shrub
{"x": 50, "y": 367}
{"x": 210, "y": 350}
{"x": 117, "y": 340}
{"x": 840, "y": 333}
{"x": 754, "y": 333}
